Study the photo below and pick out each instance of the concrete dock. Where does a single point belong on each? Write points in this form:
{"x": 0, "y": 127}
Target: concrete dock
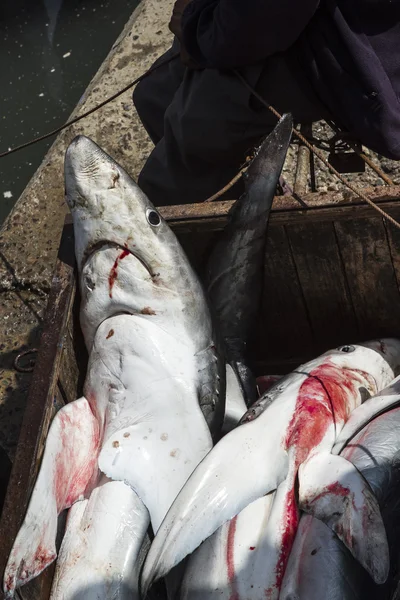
{"x": 30, "y": 236}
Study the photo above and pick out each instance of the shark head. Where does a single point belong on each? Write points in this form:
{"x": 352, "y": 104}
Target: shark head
{"x": 129, "y": 260}
{"x": 380, "y": 359}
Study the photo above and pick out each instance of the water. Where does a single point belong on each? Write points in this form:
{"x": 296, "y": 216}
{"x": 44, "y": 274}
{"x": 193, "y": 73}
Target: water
{"x": 49, "y": 51}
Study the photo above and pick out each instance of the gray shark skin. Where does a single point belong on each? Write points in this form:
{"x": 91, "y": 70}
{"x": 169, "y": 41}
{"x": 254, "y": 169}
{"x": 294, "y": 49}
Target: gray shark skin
{"x": 234, "y": 272}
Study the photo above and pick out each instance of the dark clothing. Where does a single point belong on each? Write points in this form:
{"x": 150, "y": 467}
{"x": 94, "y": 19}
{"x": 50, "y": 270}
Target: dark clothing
{"x": 337, "y": 59}
{"x": 222, "y": 34}
{"x": 205, "y": 122}
{"x": 351, "y": 55}
{"x": 348, "y": 49}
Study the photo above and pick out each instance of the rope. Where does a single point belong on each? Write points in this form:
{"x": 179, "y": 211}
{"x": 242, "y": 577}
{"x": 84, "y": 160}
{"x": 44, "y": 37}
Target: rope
{"x": 227, "y": 186}
{"x": 92, "y": 110}
{"x": 316, "y": 152}
{"x": 360, "y": 153}
{"x": 371, "y": 164}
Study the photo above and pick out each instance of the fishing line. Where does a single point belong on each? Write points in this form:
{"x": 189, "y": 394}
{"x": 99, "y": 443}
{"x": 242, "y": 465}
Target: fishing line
{"x": 92, "y": 110}
{"x": 162, "y": 63}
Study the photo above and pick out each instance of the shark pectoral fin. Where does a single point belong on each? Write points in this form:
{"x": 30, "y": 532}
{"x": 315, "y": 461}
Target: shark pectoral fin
{"x": 334, "y": 491}
{"x": 243, "y": 466}
{"x": 235, "y": 406}
{"x": 68, "y": 467}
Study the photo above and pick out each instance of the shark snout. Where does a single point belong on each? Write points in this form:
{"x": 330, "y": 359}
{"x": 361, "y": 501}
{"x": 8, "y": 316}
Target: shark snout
{"x": 88, "y": 172}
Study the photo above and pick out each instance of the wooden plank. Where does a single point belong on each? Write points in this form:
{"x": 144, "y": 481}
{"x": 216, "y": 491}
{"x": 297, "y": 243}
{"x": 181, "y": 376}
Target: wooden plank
{"x": 334, "y": 213}
{"x": 335, "y": 205}
{"x": 320, "y": 270}
{"x": 280, "y": 366}
{"x": 370, "y": 273}
{"x": 284, "y": 329}
{"x": 204, "y": 223}
{"x": 344, "y": 196}
{"x": 312, "y": 199}
{"x": 393, "y": 235}
{"x": 75, "y": 357}
{"x": 39, "y": 408}
{"x": 197, "y": 246}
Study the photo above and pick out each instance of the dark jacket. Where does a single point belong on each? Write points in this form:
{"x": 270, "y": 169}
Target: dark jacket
{"x": 348, "y": 49}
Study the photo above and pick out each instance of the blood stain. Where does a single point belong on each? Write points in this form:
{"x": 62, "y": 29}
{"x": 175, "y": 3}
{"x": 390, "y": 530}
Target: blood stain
{"x": 114, "y": 271}
{"x": 230, "y": 563}
{"x": 147, "y": 311}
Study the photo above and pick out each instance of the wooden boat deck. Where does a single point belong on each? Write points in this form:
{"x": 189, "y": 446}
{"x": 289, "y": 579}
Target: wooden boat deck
{"x": 331, "y": 276}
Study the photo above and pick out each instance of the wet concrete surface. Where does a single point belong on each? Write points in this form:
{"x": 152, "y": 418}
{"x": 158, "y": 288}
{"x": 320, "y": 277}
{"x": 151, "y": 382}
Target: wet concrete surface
{"x": 30, "y": 236}
{"x": 50, "y": 50}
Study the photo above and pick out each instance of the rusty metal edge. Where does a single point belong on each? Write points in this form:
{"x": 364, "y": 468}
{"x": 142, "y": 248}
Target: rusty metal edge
{"x": 40, "y": 397}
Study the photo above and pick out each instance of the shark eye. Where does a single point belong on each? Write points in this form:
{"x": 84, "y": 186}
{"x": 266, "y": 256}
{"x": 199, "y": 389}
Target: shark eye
{"x": 346, "y": 349}
{"x": 153, "y": 217}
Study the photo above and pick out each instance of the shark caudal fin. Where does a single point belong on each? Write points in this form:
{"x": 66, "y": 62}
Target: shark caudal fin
{"x": 68, "y": 467}
{"x": 334, "y": 491}
{"x": 234, "y": 268}
{"x": 242, "y": 467}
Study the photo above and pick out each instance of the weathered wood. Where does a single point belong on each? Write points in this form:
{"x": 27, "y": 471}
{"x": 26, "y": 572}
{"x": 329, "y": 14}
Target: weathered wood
{"x": 371, "y": 277}
{"x": 75, "y": 357}
{"x": 334, "y": 213}
{"x": 320, "y": 271}
{"x": 197, "y": 246}
{"x": 393, "y": 235}
{"x": 280, "y": 366}
{"x": 278, "y": 335}
{"x": 39, "y": 408}
{"x": 285, "y": 210}
{"x": 313, "y": 200}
